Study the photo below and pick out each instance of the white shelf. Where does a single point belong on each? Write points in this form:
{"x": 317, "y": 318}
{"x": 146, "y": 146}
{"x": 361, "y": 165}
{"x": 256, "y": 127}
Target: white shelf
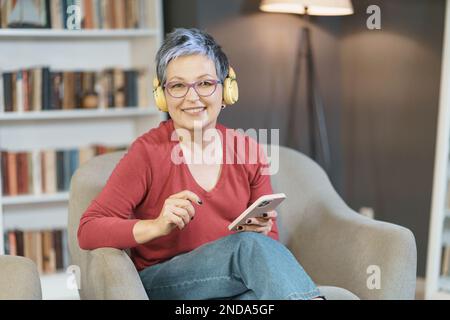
{"x": 444, "y": 284}
{"x": 78, "y": 114}
{"x": 437, "y": 235}
{"x": 54, "y": 287}
{"x": 34, "y": 199}
{"x": 56, "y": 34}
{"x": 446, "y": 237}
{"x": 440, "y": 295}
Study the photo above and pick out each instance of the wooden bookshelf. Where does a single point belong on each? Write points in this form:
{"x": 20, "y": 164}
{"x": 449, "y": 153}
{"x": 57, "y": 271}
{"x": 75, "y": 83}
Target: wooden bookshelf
{"x": 92, "y": 49}
{"x": 437, "y": 286}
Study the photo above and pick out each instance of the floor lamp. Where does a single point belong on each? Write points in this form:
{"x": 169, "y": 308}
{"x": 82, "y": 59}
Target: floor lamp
{"x": 316, "y": 115}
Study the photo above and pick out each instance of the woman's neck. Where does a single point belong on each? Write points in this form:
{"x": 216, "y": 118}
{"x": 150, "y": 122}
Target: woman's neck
{"x": 195, "y": 137}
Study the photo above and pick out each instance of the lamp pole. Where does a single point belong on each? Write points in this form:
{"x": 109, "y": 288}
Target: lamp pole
{"x": 314, "y": 102}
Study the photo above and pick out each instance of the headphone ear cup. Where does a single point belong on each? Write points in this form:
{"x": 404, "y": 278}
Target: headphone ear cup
{"x": 230, "y": 89}
{"x": 158, "y": 94}
{"x": 160, "y": 99}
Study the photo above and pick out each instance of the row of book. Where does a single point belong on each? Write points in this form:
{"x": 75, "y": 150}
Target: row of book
{"x": 40, "y": 88}
{"x": 445, "y": 261}
{"x": 44, "y": 171}
{"x": 47, "y": 248}
{"x": 74, "y": 14}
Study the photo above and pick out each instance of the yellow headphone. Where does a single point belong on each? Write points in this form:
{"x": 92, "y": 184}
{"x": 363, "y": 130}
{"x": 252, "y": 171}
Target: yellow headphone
{"x": 230, "y": 91}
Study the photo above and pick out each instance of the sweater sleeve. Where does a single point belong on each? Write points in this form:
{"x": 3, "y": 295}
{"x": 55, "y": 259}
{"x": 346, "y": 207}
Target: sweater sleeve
{"x": 260, "y": 183}
{"x": 107, "y": 221}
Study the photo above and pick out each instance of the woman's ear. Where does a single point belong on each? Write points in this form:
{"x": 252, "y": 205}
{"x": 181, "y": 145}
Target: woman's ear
{"x": 223, "y": 106}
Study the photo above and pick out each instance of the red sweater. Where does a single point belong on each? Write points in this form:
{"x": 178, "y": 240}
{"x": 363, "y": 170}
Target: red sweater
{"x": 146, "y": 176}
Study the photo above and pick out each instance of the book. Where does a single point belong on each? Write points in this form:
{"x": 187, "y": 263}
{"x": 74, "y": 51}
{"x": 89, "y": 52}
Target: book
{"x": 46, "y": 88}
{"x": 7, "y": 91}
{"x": 27, "y": 14}
{"x": 19, "y": 237}
{"x": 2, "y": 101}
{"x": 12, "y": 243}
{"x": 48, "y": 252}
{"x": 56, "y": 97}
{"x": 12, "y": 174}
{"x": 57, "y": 244}
{"x": 56, "y": 14}
{"x": 19, "y": 106}
{"x": 22, "y": 173}
{"x": 119, "y": 88}
{"x": 45, "y": 171}
{"x": 36, "y": 104}
{"x": 47, "y": 248}
{"x": 49, "y": 183}
{"x": 40, "y": 88}
{"x": 69, "y": 96}
{"x": 5, "y": 175}
{"x": 36, "y": 168}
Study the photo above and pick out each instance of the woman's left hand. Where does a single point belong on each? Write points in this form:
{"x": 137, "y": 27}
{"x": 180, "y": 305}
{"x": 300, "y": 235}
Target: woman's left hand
{"x": 261, "y": 225}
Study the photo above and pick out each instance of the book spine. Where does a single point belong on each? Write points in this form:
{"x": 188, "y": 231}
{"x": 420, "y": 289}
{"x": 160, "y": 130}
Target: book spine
{"x": 26, "y": 90}
{"x": 57, "y": 244}
{"x": 37, "y": 89}
{"x": 19, "y": 91}
{"x": 12, "y": 243}
{"x": 74, "y": 161}
{"x": 2, "y": 92}
{"x": 59, "y": 170}
{"x": 46, "y": 88}
{"x": 48, "y": 15}
{"x": 8, "y": 91}
{"x": 20, "y": 242}
{"x": 30, "y": 178}
{"x": 37, "y": 178}
{"x": 66, "y": 169}
{"x": 12, "y": 174}
{"x": 4, "y": 164}
{"x": 22, "y": 173}
{"x": 50, "y": 169}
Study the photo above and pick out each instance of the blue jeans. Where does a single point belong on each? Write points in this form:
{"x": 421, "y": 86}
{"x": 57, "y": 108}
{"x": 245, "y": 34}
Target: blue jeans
{"x": 241, "y": 266}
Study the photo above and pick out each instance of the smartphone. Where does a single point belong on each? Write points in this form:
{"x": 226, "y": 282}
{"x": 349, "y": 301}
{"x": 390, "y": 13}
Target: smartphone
{"x": 263, "y": 204}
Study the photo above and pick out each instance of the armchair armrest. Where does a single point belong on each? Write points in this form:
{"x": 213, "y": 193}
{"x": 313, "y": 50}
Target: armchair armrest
{"x": 112, "y": 275}
{"x": 19, "y": 279}
{"x": 339, "y": 247}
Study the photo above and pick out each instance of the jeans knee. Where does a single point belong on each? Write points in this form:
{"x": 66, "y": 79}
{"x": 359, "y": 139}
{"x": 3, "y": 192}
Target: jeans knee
{"x": 253, "y": 238}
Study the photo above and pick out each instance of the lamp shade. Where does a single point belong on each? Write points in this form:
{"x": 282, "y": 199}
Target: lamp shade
{"x": 315, "y": 7}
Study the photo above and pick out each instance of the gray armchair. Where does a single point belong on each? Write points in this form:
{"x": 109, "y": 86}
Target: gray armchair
{"x": 19, "y": 279}
{"x": 335, "y": 245}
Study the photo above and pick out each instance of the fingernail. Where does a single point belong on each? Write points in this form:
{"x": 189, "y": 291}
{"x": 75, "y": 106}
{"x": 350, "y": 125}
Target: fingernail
{"x": 265, "y": 215}
{"x": 249, "y": 220}
{"x": 199, "y": 201}
{"x": 240, "y": 228}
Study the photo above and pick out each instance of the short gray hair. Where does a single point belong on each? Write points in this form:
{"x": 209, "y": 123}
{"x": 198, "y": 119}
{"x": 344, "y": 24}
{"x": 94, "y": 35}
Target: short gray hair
{"x": 183, "y": 42}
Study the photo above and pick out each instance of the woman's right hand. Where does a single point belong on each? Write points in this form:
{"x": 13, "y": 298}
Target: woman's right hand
{"x": 177, "y": 212}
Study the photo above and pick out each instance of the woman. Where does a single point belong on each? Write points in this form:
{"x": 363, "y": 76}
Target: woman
{"x": 174, "y": 215}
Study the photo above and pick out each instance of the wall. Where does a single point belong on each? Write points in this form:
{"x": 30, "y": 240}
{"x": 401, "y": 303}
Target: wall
{"x": 390, "y": 86}
{"x": 380, "y": 90}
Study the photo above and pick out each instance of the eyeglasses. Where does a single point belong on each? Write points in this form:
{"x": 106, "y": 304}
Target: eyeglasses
{"x": 204, "y": 88}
